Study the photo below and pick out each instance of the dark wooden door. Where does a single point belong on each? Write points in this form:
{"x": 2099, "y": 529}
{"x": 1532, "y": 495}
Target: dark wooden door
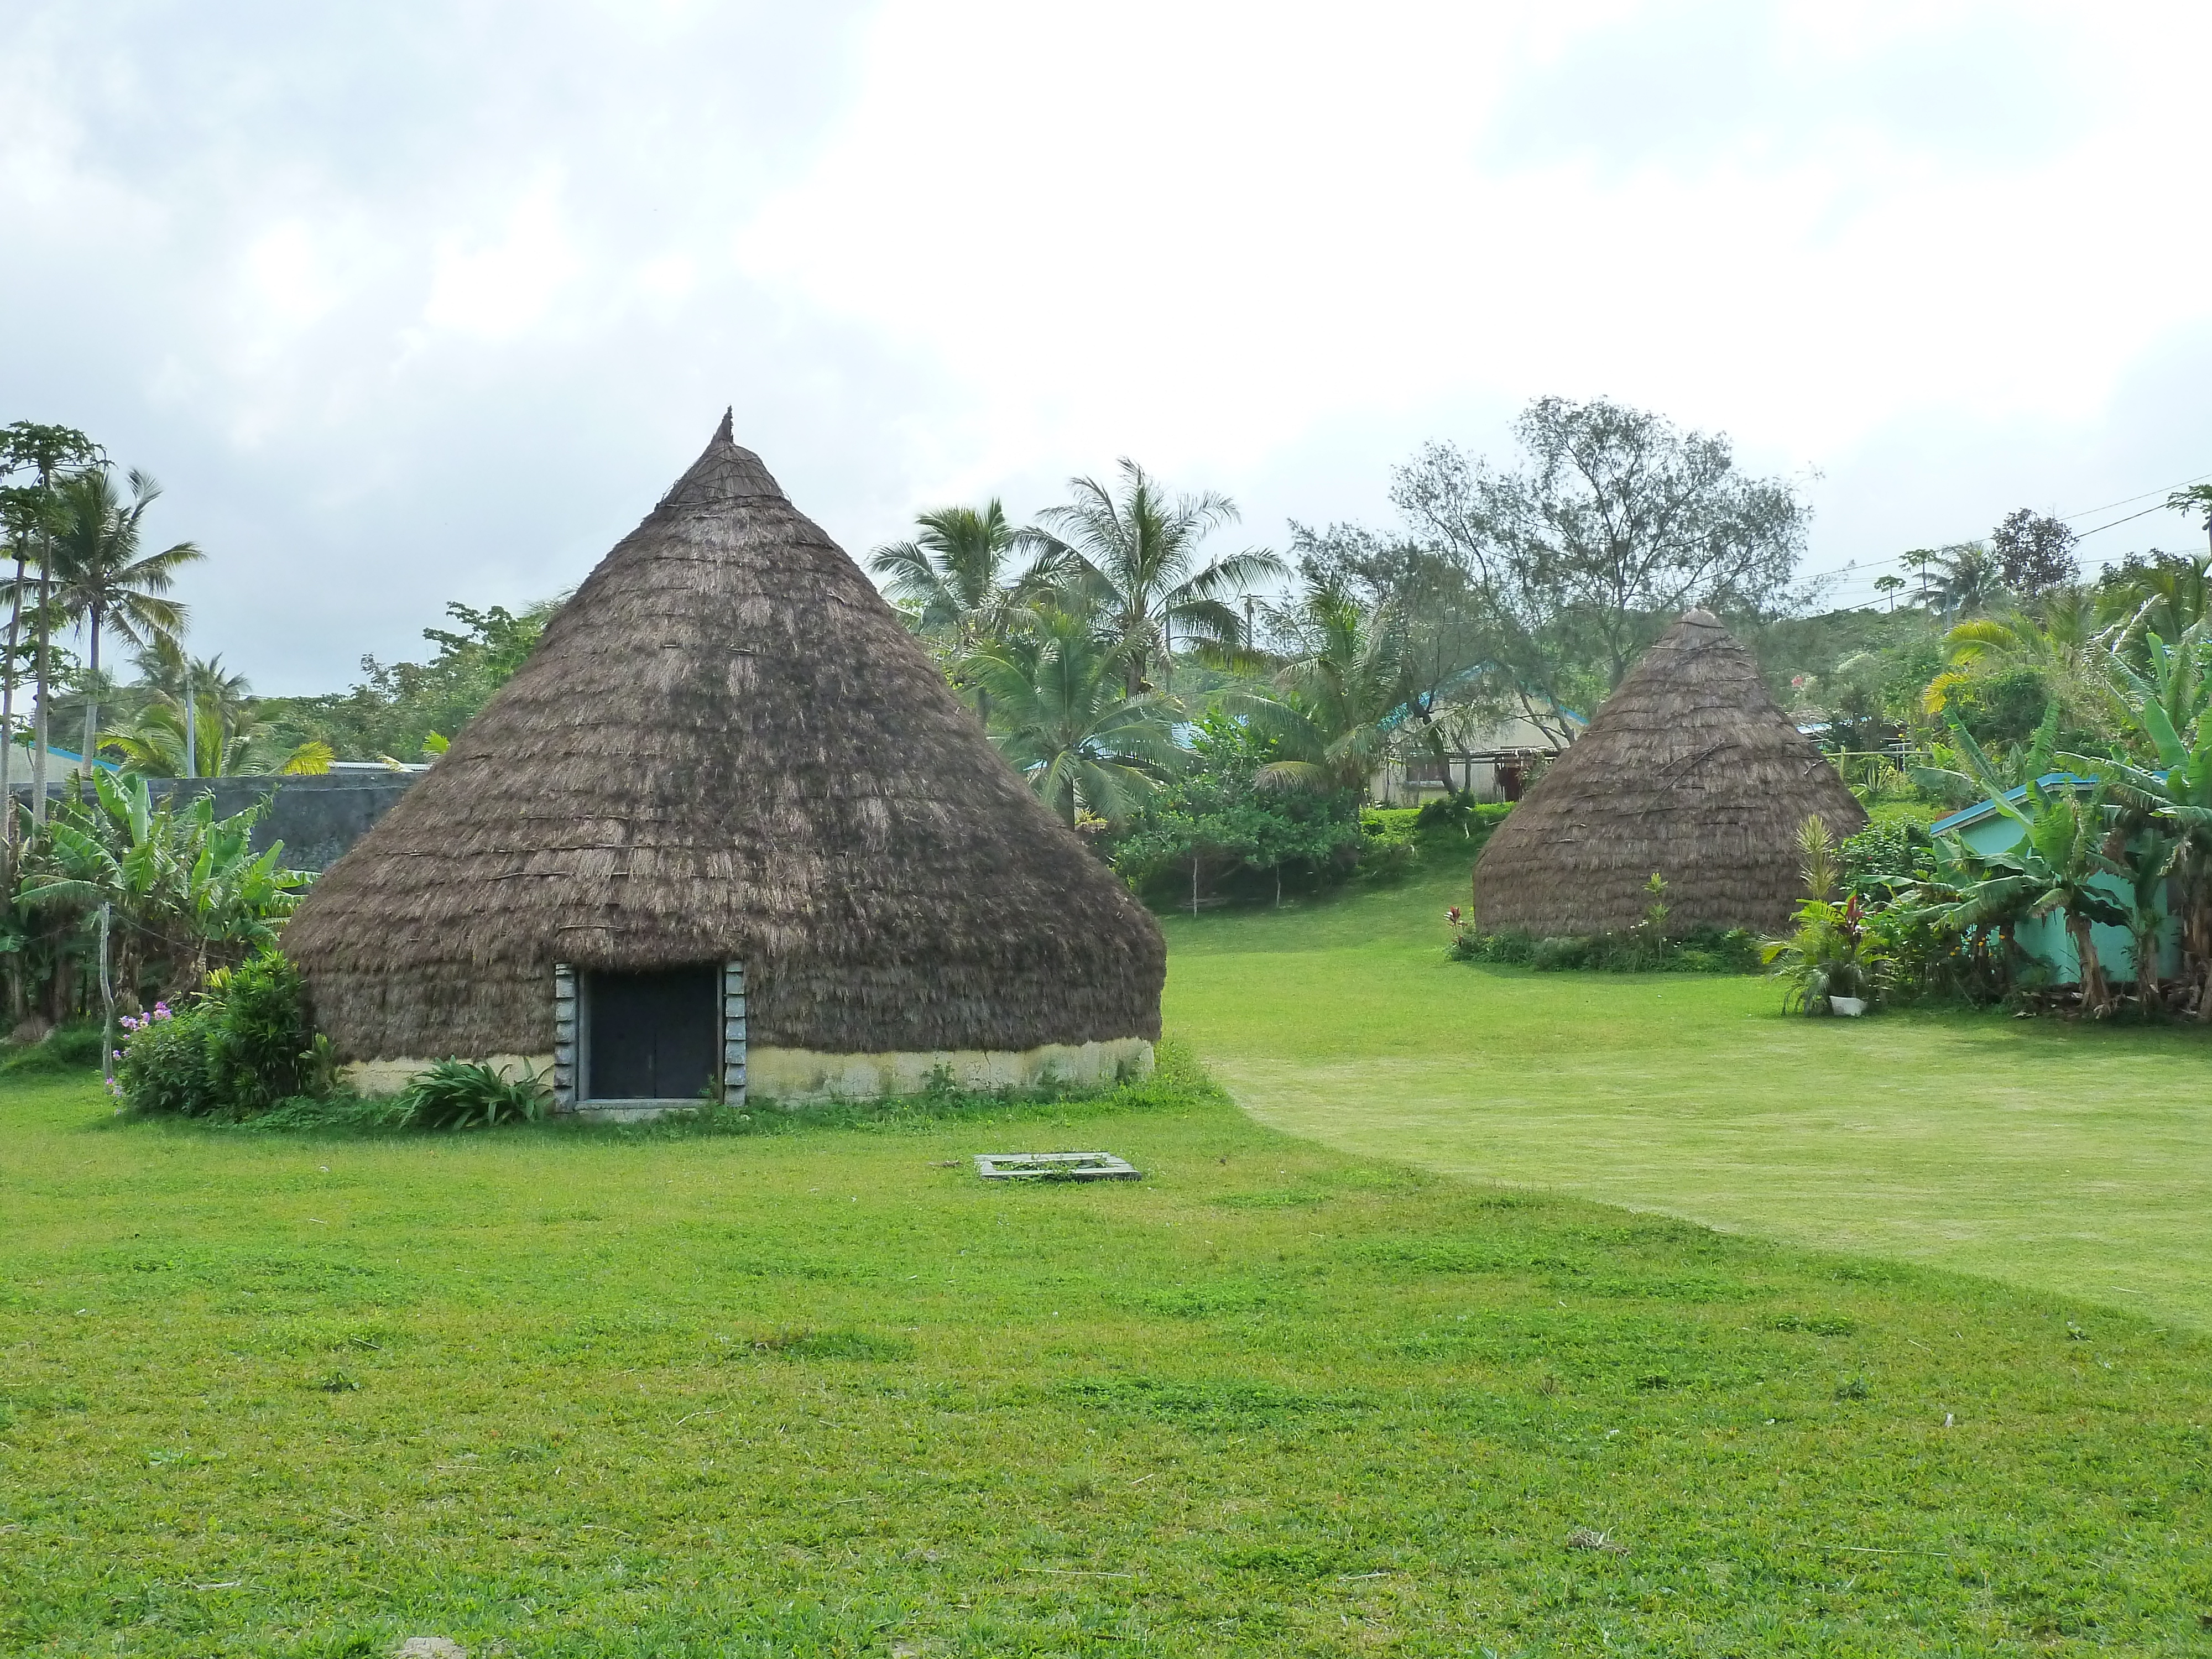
{"x": 653, "y": 1037}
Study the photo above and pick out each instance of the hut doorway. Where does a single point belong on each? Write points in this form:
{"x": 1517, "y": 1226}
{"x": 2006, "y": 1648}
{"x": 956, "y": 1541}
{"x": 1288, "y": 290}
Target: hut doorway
{"x": 655, "y": 1036}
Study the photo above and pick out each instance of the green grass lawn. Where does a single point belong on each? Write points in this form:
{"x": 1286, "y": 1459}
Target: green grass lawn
{"x": 2073, "y": 1160}
{"x": 564, "y": 1393}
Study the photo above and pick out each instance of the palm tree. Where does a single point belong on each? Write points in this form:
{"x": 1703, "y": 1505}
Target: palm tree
{"x": 1132, "y": 559}
{"x": 953, "y": 581}
{"x": 45, "y": 450}
{"x": 104, "y": 581}
{"x": 1062, "y": 717}
{"x": 1967, "y": 582}
{"x": 2067, "y": 646}
{"x": 229, "y": 740}
{"x": 953, "y": 578}
{"x": 2166, "y": 596}
{"x": 1337, "y": 699}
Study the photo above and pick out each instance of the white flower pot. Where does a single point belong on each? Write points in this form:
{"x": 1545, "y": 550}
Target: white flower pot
{"x": 1853, "y": 1007}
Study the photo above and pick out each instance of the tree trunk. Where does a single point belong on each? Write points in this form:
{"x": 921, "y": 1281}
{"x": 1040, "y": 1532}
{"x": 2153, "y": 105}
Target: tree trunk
{"x": 8, "y": 717}
{"x": 38, "y": 720}
{"x": 91, "y": 710}
{"x": 2096, "y": 997}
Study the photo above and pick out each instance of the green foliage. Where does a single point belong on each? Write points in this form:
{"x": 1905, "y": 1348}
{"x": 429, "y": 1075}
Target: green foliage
{"x": 184, "y": 888}
{"x": 1830, "y": 951}
{"x": 460, "y": 1094}
{"x": 167, "y": 1063}
{"x": 1698, "y": 951}
{"x": 260, "y": 1031}
{"x": 231, "y": 1052}
{"x": 1218, "y": 827}
{"x": 398, "y": 707}
{"x": 68, "y": 1048}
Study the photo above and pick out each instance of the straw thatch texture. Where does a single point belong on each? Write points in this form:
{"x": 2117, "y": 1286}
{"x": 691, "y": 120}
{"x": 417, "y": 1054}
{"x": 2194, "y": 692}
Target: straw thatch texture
{"x": 727, "y": 746}
{"x": 1689, "y": 769}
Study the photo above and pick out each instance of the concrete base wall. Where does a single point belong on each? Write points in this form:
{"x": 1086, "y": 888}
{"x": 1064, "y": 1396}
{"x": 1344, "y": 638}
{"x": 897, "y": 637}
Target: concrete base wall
{"x": 797, "y": 1077}
{"x": 389, "y": 1077}
{"x": 800, "y": 1077}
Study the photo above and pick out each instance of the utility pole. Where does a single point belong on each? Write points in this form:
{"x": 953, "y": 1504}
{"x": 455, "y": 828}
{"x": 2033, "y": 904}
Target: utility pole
{"x": 191, "y": 726}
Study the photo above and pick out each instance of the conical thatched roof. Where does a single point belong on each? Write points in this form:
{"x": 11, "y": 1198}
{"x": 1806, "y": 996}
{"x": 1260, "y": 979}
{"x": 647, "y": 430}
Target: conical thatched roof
{"x": 727, "y": 746}
{"x": 1689, "y": 769}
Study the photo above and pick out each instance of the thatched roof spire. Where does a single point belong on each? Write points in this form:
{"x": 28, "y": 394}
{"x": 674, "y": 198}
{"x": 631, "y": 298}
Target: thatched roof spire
{"x": 727, "y": 746}
{"x": 1690, "y": 770}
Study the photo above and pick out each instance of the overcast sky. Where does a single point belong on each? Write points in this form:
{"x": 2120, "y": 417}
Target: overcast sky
{"x": 413, "y": 302}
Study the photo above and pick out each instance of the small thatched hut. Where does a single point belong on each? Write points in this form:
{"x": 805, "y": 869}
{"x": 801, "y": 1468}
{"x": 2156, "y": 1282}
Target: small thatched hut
{"x": 726, "y": 825}
{"x": 1689, "y": 770}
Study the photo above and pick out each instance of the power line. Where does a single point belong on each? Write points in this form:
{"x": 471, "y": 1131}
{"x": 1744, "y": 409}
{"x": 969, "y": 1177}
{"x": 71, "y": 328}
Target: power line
{"x": 2087, "y": 511}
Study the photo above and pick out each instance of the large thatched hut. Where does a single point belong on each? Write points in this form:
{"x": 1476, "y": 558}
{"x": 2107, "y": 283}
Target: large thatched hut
{"x": 1691, "y": 771}
{"x": 728, "y": 826}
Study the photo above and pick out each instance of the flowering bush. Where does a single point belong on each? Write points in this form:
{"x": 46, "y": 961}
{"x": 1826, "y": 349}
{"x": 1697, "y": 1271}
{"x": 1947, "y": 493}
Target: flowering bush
{"x": 233, "y": 1050}
{"x": 163, "y": 1065}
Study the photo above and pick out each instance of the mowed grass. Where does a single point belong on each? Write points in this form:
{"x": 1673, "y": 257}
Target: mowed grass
{"x": 823, "y": 1392}
{"x": 2068, "y": 1159}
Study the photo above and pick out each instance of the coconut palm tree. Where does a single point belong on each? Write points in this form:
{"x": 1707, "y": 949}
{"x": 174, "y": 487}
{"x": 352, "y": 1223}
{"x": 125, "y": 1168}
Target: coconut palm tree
{"x": 229, "y": 740}
{"x": 104, "y": 581}
{"x": 1339, "y": 697}
{"x": 1062, "y": 717}
{"x": 956, "y": 577}
{"x": 1967, "y": 582}
{"x": 44, "y": 451}
{"x": 1133, "y": 557}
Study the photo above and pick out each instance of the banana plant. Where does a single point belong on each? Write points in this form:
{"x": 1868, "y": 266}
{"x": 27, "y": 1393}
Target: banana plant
{"x": 182, "y": 885}
{"x": 2167, "y": 710}
{"x": 2058, "y": 864}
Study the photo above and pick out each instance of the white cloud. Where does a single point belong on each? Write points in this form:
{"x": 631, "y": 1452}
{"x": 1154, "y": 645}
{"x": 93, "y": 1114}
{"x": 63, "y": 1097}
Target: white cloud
{"x": 507, "y": 287}
{"x": 423, "y": 301}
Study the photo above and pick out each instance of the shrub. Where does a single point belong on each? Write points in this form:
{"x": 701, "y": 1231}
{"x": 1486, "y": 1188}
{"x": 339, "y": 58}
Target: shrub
{"x": 1390, "y": 841}
{"x": 460, "y": 1094}
{"x": 166, "y": 1062}
{"x": 260, "y": 1031}
{"x": 233, "y": 1050}
{"x": 1700, "y": 950}
{"x": 66, "y": 1049}
{"x": 1564, "y": 952}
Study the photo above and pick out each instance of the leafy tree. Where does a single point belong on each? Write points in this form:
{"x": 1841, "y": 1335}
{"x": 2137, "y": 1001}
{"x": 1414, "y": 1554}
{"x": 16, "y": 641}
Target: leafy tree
{"x": 1445, "y": 653}
{"x": 2034, "y": 553}
{"x": 1216, "y": 820}
{"x": 1059, "y": 714}
{"x": 1131, "y": 556}
{"x": 105, "y": 582}
{"x": 2196, "y": 501}
{"x": 399, "y": 707}
{"x": 1615, "y": 522}
{"x": 2064, "y": 649}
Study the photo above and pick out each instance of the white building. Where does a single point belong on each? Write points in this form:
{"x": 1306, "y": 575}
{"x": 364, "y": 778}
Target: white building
{"x": 1496, "y": 764}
